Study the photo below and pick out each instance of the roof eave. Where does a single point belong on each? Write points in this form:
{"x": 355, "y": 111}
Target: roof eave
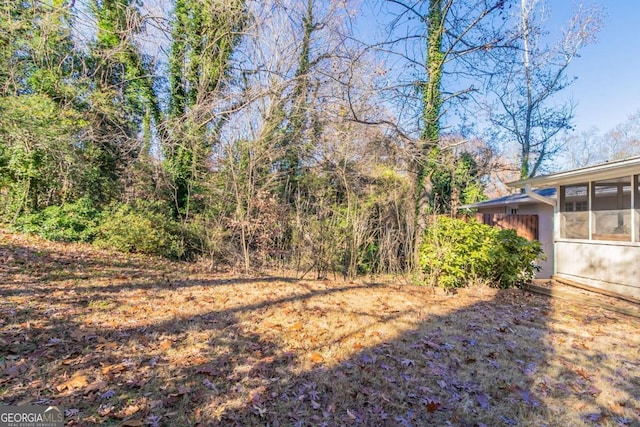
{"x": 591, "y": 173}
{"x": 500, "y": 203}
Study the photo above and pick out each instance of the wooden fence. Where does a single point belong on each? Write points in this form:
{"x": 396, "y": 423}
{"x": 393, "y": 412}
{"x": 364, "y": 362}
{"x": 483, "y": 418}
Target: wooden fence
{"x": 525, "y": 225}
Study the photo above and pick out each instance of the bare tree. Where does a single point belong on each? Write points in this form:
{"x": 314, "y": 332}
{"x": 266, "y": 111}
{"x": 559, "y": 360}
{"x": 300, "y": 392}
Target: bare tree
{"x": 623, "y": 140}
{"x": 432, "y": 45}
{"x": 584, "y": 148}
{"x": 591, "y": 146}
{"x": 524, "y": 110}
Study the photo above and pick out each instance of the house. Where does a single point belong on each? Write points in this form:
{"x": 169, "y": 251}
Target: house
{"x": 522, "y": 204}
{"x": 589, "y": 223}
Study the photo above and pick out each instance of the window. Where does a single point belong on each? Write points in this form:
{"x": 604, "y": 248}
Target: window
{"x": 574, "y": 215}
{"x": 601, "y": 210}
{"x": 580, "y": 206}
{"x": 611, "y": 206}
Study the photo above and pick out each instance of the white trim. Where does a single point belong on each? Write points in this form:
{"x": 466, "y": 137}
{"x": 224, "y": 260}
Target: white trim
{"x": 621, "y": 288}
{"x": 556, "y": 230}
{"x": 591, "y": 173}
{"x": 590, "y": 215}
{"x": 634, "y": 232}
{"x": 599, "y": 242}
{"x": 536, "y": 196}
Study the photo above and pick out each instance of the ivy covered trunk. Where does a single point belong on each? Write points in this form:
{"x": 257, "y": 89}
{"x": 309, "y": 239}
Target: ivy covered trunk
{"x": 428, "y": 154}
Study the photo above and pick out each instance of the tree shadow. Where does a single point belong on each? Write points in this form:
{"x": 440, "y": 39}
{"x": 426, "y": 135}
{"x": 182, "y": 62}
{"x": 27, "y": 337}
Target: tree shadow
{"x": 494, "y": 362}
{"x": 123, "y": 272}
{"x": 469, "y": 367}
{"x": 311, "y": 353}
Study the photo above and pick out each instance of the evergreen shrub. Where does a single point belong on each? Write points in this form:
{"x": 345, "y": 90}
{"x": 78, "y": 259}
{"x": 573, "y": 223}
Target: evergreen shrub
{"x": 70, "y": 222}
{"x": 144, "y": 227}
{"x": 456, "y": 253}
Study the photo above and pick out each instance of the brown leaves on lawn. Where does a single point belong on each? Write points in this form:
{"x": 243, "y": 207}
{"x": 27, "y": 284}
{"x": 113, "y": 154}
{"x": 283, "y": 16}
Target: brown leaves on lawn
{"x": 75, "y": 382}
{"x": 165, "y": 344}
{"x": 315, "y": 357}
{"x": 298, "y": 326}
{"x": 114, "y": 340}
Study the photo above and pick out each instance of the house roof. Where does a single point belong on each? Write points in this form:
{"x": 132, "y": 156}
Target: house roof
{"x": 609, "y": 170}
{"x": 546, "y": 184}
{"x": 512, "y": 199}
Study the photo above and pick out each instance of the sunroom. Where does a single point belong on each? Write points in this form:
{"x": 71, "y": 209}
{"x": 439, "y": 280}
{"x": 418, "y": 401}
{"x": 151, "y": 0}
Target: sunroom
{"x": 596, "y": 224}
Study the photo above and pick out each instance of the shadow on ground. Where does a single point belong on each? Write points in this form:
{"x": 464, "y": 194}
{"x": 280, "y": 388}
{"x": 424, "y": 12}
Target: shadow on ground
{"x": 279, "y": 352}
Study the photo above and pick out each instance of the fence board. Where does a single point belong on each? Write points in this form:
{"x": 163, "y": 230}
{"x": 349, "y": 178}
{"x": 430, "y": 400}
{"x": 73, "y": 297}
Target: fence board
{"x": 525, "y": 225}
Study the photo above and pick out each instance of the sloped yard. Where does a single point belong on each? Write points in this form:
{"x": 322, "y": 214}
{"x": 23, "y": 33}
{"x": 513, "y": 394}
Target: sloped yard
{"x": 133, "y": 341}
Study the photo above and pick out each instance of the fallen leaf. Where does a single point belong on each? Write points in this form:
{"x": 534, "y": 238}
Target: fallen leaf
{"x": 130, "y": 410}
{"x": 483, "y": 400}
{"x": 107, "y": 346}
{"x": 112, "y": 369}
{"x": 593, "y": 417}
{"x": 271, "y": 325}
{"x": 432, "y": 405}
{"x": 70, "y": 361}
{"x": 77, "y": 381}
{"x": 583, "y": 373}
{"x": 165, "y": 344}
{"x": 315, "y": 357}
{"x": 580, "y": 345}
{"x": 296, "y": 327}
{"x": 17, "y": 369}
{"x": 528, "y": 398}
{"x": 530, "y": 369}
{"x": 96, "y": 385}
{"x": 407, "y": 362}
{"x": 594, "y": 391}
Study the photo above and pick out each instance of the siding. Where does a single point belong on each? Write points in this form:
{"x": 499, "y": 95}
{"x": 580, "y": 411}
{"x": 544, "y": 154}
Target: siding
{"x": 609, "y": 266}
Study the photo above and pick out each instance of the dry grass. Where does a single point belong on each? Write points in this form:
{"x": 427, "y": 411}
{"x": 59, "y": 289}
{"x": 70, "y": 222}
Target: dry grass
{"x": 131, "y": 341}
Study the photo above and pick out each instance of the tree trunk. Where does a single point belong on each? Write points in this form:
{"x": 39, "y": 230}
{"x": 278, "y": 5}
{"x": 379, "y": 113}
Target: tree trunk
{"x": 432, "y": 100}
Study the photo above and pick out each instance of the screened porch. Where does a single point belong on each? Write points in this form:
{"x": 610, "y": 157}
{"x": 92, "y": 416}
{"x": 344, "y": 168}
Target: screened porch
{"x": 601, "y": 210}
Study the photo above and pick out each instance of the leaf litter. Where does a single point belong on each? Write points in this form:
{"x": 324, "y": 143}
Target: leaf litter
{"x": 134, "y": 340}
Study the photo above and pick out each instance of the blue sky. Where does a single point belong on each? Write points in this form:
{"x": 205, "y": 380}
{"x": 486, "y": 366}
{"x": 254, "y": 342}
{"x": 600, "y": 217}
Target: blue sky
{"x": 607, "y": 90}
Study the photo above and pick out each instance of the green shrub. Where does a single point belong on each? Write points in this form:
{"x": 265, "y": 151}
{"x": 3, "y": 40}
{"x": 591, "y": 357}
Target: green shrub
{"x": 145, "y": 227}
{"x": 513, "y": 258}
{"x": 457, "y": 252}
{"x": 71, "y": 222}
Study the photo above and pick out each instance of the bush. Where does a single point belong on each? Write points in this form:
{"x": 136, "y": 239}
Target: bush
{"x": 71, "y": 222}
{"x": 456, "y": 252}
{"x": 513, "y": 259}
{"x": 145, "y": 227}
